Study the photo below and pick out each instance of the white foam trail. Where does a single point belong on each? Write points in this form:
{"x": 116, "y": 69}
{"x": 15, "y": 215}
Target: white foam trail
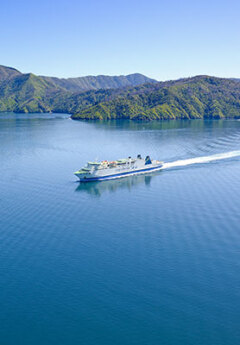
{"x": 201, "y": 160}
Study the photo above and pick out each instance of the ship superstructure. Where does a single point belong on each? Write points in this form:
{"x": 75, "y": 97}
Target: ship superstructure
{"x": 104, "y": 170}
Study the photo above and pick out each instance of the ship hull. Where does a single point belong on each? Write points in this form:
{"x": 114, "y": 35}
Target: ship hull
{"x": 144, "y": 170}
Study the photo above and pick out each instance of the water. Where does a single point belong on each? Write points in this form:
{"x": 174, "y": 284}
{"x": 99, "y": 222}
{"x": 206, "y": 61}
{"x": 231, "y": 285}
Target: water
{"x": 149, "y": 259}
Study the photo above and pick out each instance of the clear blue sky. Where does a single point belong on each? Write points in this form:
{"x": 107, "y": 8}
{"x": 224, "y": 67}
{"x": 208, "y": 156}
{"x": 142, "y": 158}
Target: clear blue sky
{"x": 164, "y": 39}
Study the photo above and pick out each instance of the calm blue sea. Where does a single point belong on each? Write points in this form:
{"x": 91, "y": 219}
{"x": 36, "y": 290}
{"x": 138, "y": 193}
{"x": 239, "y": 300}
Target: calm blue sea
{"x": 143, "y": 260}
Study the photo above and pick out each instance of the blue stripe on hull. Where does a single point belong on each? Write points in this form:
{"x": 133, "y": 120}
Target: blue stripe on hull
{"x": 119, "y": 175}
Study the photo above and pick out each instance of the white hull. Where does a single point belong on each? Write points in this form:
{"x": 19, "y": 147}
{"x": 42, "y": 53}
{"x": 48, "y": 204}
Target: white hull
{"x": 119, "y": 172}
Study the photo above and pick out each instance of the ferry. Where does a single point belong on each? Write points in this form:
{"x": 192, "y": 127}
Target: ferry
{"x": 106, "y": 170}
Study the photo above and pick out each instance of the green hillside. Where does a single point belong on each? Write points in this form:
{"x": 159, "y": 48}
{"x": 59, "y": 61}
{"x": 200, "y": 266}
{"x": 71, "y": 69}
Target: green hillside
{"x": 197, "y": 97}
{"x": 191, "y": 98}
{"x": 26, "y": 93}
{"x": 30, "y": 93}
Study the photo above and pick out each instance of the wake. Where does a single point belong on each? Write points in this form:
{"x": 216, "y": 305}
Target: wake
{"x": 201, "y": 160}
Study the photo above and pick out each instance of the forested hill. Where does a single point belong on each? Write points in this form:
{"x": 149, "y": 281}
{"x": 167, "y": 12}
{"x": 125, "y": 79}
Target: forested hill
{"x": 31, "y": 93}
{"x": 83, "y": 83}
{"x": 191, "y": 98}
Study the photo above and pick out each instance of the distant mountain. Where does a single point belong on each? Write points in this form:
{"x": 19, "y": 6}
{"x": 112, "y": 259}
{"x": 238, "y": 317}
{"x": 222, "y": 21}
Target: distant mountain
{"x": 30, "y": 93}
{"x": 100, "y": 82}
{"x": 113, "y": 98}
{"x": 8, "y": 72}
{"x": 191, "y": 98}
{"x": 84, "y": 83}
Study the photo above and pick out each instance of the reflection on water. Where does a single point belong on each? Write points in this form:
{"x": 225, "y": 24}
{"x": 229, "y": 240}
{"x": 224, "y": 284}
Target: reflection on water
{"x": 97, "y": 188}
{"x": 13, "y": 117}
{"x": 159, "y": 125}
{"x": 147, "y": 259}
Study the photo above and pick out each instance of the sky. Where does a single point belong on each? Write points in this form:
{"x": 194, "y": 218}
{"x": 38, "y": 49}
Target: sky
{"x": 163, "y": 39}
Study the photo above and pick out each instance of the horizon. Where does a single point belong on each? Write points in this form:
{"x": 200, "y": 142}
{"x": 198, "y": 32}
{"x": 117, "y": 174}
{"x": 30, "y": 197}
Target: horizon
{"x": 120, "y": 75}
{"x": 162, "y": 40}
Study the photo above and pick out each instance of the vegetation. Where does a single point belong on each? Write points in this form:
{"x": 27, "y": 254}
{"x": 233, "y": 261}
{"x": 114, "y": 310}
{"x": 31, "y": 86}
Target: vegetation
{"x": 197, "y": 97}
{"x": 30, "y": 93}
{"x": 100, "y": 82}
